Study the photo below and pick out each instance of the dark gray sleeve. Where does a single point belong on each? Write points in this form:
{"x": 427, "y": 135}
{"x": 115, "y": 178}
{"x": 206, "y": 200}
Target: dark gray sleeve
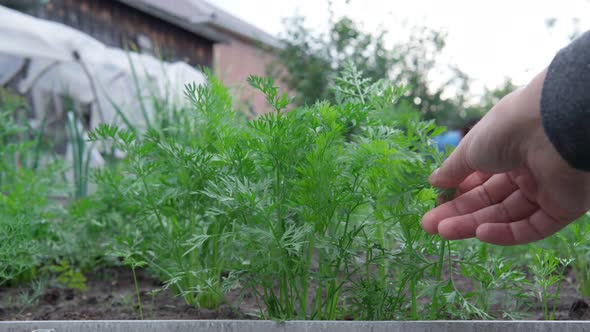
{"x": 565, "y": 103}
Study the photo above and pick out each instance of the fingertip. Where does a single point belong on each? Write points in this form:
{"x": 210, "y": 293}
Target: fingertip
{"x": 433, "y": 176}
{"x": 498, "y": 234}
{"x": 455, "y": 229}
{"x": 446, "y": 230}
{"x": 428, "y": 224}
{"x": 454, "y": 169}
{"x": 440, "y": 179}
{"x": 482, "y": 232}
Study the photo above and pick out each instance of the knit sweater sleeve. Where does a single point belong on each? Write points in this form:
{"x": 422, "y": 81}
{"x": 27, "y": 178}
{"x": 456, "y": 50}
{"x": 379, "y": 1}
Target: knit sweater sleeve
{"x": 565, "y": 103}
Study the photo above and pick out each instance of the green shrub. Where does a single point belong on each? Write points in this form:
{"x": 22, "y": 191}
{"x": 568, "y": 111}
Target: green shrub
{"x": 314, "y": 211}
{"x": 25, "y": 187}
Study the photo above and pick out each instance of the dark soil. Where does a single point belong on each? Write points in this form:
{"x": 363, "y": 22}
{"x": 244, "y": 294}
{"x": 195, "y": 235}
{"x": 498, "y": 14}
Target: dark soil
{"x": 111, "y": 295}
{"x": 571, "y": 305}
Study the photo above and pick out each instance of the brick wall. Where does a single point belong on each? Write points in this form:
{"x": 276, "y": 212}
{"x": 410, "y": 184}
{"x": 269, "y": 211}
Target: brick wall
{"x": 233, "y": 62}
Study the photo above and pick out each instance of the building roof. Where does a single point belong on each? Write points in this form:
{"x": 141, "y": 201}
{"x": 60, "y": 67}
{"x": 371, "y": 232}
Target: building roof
{"x": 204, "y": 19}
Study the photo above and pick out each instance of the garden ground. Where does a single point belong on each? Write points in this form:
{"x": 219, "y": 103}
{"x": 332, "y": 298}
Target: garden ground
{"x": 111, "y": 296}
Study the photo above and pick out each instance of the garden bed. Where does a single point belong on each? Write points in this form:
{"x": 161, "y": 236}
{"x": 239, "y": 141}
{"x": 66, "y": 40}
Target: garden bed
{"x": 310, "y": 214}
{"x": 291, "y": 326}
{"x": 111, "y": 296}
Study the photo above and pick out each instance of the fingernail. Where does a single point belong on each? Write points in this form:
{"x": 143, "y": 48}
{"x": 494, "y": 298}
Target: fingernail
{"x": 433, "y": 175}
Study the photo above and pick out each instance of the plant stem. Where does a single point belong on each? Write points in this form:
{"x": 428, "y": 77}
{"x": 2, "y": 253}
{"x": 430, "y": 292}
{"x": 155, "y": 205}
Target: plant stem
{"x": 137, "y": 293}
{"x": 305, "y": 283}
{"x": 438, "y": 276}
{"x": 558, "y": 291}
{"x": 414, "y": 308}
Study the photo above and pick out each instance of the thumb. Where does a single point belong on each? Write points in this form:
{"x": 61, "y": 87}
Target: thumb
{"x": 455, "y": 169}
{"x": 499, "y": 141}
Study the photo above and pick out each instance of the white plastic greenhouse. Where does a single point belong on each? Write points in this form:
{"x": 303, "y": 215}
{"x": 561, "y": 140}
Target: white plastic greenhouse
{"x": 45, "y": 60}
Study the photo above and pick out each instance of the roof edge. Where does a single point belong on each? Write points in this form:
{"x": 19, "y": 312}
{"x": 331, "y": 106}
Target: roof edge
{"x": 197, "y": 28}
{"x": 226, "y": 21}
{"x": 217, "y": 25}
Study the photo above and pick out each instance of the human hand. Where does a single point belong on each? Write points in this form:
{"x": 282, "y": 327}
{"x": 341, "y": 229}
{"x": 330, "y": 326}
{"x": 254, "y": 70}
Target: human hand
{"x": 513, "y": 187}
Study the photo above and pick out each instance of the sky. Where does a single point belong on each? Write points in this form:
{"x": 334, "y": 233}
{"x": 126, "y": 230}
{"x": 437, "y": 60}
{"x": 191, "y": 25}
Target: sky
{"x": 488, "y": 40}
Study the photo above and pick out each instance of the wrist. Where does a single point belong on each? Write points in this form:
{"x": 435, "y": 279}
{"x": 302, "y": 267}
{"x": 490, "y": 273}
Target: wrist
{"x": 530, "y": 134}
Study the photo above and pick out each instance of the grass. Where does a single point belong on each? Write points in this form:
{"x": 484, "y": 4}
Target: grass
{"x": 314, "y": 211}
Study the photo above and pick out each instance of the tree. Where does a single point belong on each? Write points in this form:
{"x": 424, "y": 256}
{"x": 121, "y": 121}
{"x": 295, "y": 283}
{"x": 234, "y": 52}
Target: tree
{"x": 489, "y": 98}
{"x": 312, "y": 60}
